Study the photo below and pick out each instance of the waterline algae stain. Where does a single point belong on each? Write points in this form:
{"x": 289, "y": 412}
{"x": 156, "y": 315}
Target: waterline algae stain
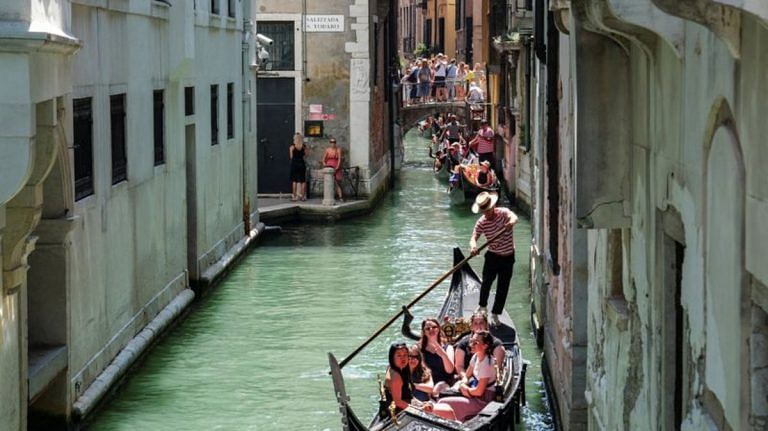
{"x": 253, "y": 354}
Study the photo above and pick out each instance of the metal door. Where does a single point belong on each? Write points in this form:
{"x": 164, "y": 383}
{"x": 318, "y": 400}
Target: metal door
{"x": 275, "y": 126}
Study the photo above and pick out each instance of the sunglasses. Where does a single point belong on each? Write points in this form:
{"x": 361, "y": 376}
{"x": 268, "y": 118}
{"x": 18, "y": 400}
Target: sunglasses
{"x": 429, "y": 328}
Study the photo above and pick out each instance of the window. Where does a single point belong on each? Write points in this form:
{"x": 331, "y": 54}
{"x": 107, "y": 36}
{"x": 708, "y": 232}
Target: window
{"x": 428, "y": 34}
{"x": 230, "y": 110}
{"x": 189, "y": 100}
{"x": 214, "y": 114}
{"x": 468, "y": 40}
{"x": 231, "y": 8}
{"x": 215, "y": 7}
{"x": 459, "y": 14}
{"x": 83, "y": 142}
{"x": 281, "y": 52}
{"x": 440, "y": 35}
{"x": 117, "y": 123}
{"x": 158, "y": 111}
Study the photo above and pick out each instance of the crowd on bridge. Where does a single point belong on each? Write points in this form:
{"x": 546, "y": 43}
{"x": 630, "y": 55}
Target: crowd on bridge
{"x": 438, "y": 79}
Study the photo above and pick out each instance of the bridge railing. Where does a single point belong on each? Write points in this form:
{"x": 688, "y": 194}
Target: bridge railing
{"x": 448, "y": 91}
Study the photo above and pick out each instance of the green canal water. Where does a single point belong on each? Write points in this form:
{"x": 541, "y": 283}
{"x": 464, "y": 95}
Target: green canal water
{"x": 253, "y": 354}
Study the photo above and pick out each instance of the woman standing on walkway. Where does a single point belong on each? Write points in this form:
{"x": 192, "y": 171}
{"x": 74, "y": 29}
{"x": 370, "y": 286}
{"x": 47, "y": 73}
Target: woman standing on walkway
{"x": 296, "y": 154}
{"x": 332, "y": 159}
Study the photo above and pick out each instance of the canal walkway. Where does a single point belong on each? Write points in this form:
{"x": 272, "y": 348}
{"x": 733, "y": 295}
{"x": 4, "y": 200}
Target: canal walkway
{"x": 279, "y": 208}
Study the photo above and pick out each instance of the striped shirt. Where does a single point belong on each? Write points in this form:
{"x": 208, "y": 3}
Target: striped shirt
{"x": 505, "y": 244}
{"x": 485, "y": 141}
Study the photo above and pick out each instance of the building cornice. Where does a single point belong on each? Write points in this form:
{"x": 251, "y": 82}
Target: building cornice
{"x": 15, "y": 36}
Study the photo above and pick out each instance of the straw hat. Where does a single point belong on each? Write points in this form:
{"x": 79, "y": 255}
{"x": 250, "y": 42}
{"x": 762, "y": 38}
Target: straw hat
{"x": 484, "y": 201}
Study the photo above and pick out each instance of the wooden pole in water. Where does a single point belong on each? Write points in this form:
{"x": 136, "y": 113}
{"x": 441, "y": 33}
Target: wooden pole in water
{"x": 417, "y": 299}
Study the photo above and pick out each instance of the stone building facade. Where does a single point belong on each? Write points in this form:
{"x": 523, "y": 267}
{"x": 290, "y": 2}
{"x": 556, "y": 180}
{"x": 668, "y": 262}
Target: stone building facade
{"x": 335, "y": 81}
{"x": 648, "y": 264}
{"x": 127, "y": 174}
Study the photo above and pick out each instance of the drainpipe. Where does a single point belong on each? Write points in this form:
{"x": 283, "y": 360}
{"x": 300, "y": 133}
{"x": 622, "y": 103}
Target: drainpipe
{"x": 394, "y": 93}
{"x": 246, "y": 110}
{"x": 434, "y": 27}
{"x": 304, "y": 77}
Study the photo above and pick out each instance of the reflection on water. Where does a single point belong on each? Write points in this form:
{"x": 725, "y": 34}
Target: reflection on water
{"x": 253, "y": 355}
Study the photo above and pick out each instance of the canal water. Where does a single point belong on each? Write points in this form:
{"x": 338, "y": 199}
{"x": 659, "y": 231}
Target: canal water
{"x": 253, "y": 355}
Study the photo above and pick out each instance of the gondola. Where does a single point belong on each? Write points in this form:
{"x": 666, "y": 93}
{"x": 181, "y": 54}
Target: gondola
{"x": 500, "y": 414}
{"x": 443, "y": 172}
{"x": 467, "y": 188}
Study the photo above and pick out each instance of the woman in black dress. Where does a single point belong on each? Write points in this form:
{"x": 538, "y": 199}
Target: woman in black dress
{"x": 296, "y": 153}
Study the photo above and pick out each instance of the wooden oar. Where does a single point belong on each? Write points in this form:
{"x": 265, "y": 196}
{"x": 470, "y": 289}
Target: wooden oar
{"x": 418, "y": 298}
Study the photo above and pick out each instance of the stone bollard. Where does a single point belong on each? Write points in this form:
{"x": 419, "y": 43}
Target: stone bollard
{"x": 329, "y": 186}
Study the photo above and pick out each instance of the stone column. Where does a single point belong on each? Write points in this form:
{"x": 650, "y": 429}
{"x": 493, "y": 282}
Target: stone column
{"x": 329, "y": 186}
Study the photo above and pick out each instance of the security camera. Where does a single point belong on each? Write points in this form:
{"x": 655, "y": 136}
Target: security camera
{"x": 264, "y": 40}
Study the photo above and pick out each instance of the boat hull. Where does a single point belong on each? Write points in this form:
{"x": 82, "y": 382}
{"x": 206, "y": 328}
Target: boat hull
{"x": 459, "y": 304}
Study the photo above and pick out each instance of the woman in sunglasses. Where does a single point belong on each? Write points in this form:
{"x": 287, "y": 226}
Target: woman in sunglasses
{"x": 398, "y": 386}
{"x": 463, "y": 350}
{"x": 437, "y": 354}
{"x": 477, "y": 388}
{"x": 421, "y": 376}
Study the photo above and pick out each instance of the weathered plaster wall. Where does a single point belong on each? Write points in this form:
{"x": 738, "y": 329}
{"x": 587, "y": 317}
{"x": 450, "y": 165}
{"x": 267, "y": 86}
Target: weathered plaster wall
{"x": 696, "y": 144}
{"x": 334, "y": 69}
{"x": 327, "y": 79}
{"x": 11, "y": 409}
{"x": 669, "y": 147}
{"x": 130, "y": 242}
{"x": 35, "y": 43}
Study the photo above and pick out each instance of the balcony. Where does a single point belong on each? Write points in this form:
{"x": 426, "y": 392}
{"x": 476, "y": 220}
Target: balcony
{"x": 507, "y": 43}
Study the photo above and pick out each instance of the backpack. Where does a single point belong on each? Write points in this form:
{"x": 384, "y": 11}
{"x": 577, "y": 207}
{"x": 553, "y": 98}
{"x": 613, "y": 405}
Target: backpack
{"x": 412, "y": 76}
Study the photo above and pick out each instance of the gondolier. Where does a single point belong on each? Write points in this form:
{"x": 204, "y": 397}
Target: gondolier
{"x": 483, "y": 144}
{"x": 500, "y": 258}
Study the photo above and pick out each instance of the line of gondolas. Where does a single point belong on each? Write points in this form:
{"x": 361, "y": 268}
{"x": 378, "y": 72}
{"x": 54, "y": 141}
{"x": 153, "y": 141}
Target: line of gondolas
{"x": 463, "y": 154}
{"x": 481, "y": 387}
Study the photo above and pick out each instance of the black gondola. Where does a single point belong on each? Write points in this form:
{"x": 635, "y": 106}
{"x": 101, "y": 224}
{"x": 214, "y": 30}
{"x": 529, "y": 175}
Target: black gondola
{"x": 461, "y": 299}
{"x": 466, "y": 189}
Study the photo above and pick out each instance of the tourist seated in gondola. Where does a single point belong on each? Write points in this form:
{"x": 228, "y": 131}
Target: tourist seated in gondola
{"x": 439, "y": 159}
{"x": 478, "y": 387}
{"x": 455, "y": 178}
{"x": 469, "y": 157}
{"x": 455, "y": 153}
{"x": 398, "y": 388}
{"x": 421, "y": 376}
{"x": 485, "y": 176}
{"x": 397, "y": 383}
{"x": 463, "y": 352}
{"x": 437, "y": 354}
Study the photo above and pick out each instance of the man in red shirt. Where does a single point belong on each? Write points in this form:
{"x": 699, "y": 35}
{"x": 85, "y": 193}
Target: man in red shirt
{"x": 484, "y": 144}
{"x": 500, "y": 258}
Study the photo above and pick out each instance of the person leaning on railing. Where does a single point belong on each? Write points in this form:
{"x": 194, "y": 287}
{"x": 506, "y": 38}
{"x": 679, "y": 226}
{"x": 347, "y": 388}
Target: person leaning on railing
{"x": 450, "y": 79}
{"x": 425, "y": 80}
{"x": 409, "y": 81}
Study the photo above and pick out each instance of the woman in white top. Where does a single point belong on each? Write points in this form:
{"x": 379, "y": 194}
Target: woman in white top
{"x": 478, "y": 387}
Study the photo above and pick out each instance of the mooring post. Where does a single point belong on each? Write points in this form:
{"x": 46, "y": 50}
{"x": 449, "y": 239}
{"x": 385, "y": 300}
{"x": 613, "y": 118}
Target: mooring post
{"x": 328, "y": 186}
